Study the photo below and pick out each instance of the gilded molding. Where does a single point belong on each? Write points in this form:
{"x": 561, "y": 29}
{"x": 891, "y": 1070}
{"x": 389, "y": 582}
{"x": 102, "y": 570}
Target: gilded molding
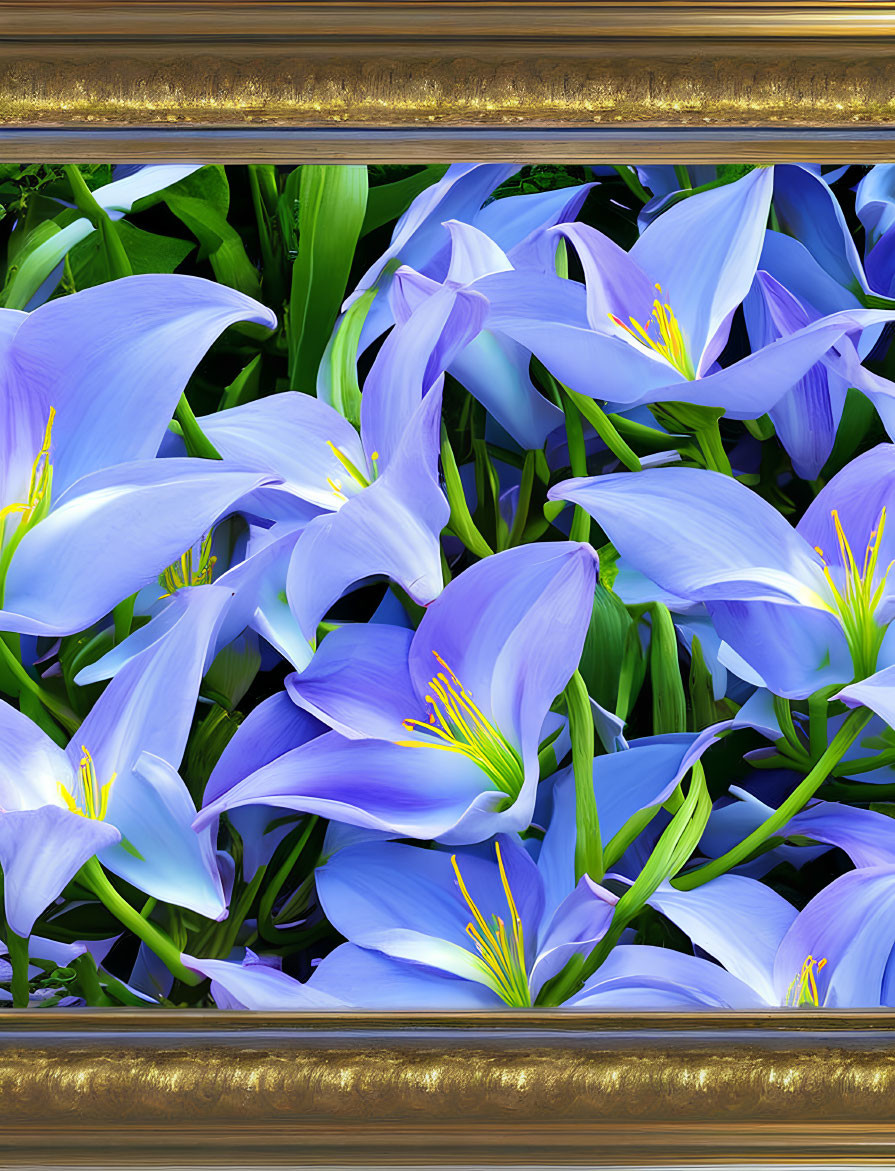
{"x": 504, "y": 1088}
{"x": 583, "y": 66}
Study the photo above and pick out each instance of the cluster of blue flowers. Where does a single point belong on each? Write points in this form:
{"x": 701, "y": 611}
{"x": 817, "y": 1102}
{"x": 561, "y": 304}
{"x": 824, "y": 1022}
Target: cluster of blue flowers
{"x": 541, "y": 658}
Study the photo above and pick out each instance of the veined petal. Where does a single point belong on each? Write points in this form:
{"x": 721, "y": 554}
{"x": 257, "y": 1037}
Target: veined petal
{"x": 473, "y": 254}
{"x": 794, "y": 650}
{"x": 411, "y": 360}
{"x": 850, "y": 925}
{"x": 291, "y": 436}
{"x": 406, "y": 901}
{"x": 704, "y": 253}
{"x": 737, "y": 920}
{"x": 41, "y": 850}
{"x": 511, "y": 628}
{"x": 641, "y": 976}
{"x": 876, "y": 692}
{"x": 700, "y": 535}
{"x": 113, "y": 360}
{"x": 875, "y": 201}
{"x": 153, "y": 811}
{"x": 577, "y": 925}
{"x": 392, "y": 528}
{"x": 495, "y": 370}
{"x": 858, "y": 494}
{"x": 866, "y": 836}
{"x": 32, "y": 767}
{"x": 149, "y": 705}
{"x": 371, "y": 980}
{"x": 358, "y": 682}
{"x": 517, "y": 222}
{"x": 808, "y": 210}
{"x": 616, "y": 284}
{"x": 258, "y": 986}
{"x": 369, "y": 783}
{"x": 111, "y": 534}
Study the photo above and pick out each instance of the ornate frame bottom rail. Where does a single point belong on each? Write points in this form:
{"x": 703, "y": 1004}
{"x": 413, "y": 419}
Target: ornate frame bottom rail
{"x": 121, "y": 1088}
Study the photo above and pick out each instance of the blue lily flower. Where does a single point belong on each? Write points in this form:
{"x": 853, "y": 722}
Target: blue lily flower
{"x": 91, "y": 383}
{"x": 254, "y": 983}
{"x": 380, "y": 508}
{"x": 805, "y": 607}
{"x": 420, "y": 239}
{"x": 431, "y": 929}
{"x": 652, "y": 323}
{"x": 835, "y": 953}
{"x": 460, "y": 702}
{"x": 114, "y": 791}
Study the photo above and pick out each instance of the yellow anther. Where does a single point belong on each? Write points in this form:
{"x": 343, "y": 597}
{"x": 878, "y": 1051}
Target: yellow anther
{"x": 183, "y": 573}
{"x": 352, "y": 469}
{"x": 803, "y": 990}
{"x": 857, "y": 596}
{"x": 39, "y": 482}
{"x": 502, "y": 955}
{"x": 95, "y": 797}
{"x": 457, "y": 724}
{"x": 672, "y": 345}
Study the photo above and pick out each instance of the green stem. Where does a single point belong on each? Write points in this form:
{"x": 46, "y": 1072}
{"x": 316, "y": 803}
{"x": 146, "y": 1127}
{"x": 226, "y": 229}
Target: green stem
{"x": 196, "y": 441}
{"x": 123, "y": 617}
{"x": 94, "y": 878}
{"x": 818, "y": 708}
{"x": 59, "y": 710}
{"x": 712, "y": 448}
{"x": 461, "y": 519}
{"x": 18, "y": 957}
{"x": 630, "y": 180}
{"x": 88, "y": 977}
{"x": 223, "y": 941}
{"x": 524, "y": 503}
{"x": 796, "y": 801}
{"x": 119, "y": 265}
{"x": 604, "y": 427}
{"x": 580, "y": 530}
{"x": 588, "y": 844}
{"x": 265, "y": 906}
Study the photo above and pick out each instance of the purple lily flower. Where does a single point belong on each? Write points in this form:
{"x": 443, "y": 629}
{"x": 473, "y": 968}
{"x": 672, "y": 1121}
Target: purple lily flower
{"x": 460, "y": 702}
{"x": 91, "y": 382}
{"x": 804, "y": 607}
{"x": 114, "y": 791}
{"x": 651, "y": 323}
{"x": 431, "y": 929}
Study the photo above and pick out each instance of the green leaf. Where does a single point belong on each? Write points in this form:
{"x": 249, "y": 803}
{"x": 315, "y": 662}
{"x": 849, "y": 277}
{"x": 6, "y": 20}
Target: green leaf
{"x": 332, "y": 203}
{"x": 146, "y": 252}
{"x": 604, "y": 645}
{"x": 345, "y": 388}
{"x": 669, "y": 702}
{"x": 201, "y": 202}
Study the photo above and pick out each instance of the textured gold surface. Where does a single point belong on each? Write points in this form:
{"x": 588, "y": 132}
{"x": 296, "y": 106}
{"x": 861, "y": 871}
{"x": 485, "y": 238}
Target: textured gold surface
{"x": 516, "y": 69}
{"x": 501, "y": 1088}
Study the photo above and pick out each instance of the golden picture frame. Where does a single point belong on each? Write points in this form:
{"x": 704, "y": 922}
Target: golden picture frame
{"x": 437, "y": 80}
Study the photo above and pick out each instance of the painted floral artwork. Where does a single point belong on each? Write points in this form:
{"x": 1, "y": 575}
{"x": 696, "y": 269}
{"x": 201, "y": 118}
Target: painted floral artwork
{"x": 447, "y": 587}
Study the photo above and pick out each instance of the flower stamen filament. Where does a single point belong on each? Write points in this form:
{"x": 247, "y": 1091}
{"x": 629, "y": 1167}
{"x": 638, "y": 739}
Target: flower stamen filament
{"x": 457, "y": 724}
{"x": 96, "y": 797}
{"x": 803, "y": 990}
{"x": 856, "y": 600}
{"x": 183, "y": 573}
{"x": 673, "y": 345}
{"x": 502, "y": 955}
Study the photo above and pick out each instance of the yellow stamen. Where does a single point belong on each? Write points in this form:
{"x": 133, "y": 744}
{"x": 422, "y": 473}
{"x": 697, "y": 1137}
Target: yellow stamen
{"x": 352, "y": 469}
{"x": 95, "y": 797}
{"x": 856, "y": 598}
{"x": 182, "y": 574}
{"x": 457, "y": 724}
{"x": 39, "y": 483}
{"x": 803, "y": 990}
{"x": 672, "y": 347}
{"x": 502, "y": 956}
